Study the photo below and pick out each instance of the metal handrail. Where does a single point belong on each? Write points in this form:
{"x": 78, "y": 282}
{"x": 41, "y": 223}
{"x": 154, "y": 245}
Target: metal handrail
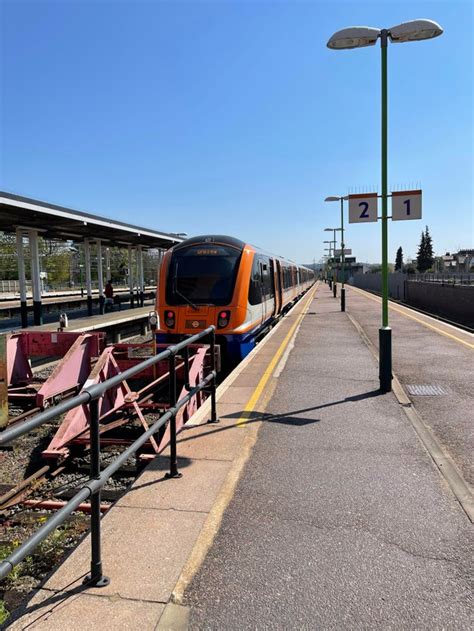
{"x": 444, "y": 278}
{"x": 98, "y": 479}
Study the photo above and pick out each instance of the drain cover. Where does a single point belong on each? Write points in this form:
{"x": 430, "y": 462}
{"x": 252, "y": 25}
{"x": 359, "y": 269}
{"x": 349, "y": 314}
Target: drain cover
{"x": 426, "y": 390}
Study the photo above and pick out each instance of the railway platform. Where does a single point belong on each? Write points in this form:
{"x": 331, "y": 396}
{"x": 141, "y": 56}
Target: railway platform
{"x": 316, "y": 502}
{"x": 75, "y": 307}
{"x": 115, "y": 324}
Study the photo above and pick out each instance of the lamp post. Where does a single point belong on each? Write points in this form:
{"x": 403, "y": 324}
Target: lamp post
{"x": 334, "y": 277}
{"x": 358, "y": 37}
{"x": 336, "y": 198}
{"x": 328, "y": 262}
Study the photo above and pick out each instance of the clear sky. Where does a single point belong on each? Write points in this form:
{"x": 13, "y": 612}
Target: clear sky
{"x": 234, "y": 117}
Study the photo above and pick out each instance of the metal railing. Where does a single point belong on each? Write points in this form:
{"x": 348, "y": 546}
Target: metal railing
{"x": 90, "y": 396}
{"x": 443, "y": 278}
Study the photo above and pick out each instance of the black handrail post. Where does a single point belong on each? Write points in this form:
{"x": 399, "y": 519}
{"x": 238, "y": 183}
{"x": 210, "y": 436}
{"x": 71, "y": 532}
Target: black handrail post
{"x": 213, "y": 418}
{"x": 187, "y": 385}
{"x": 95, "y": 578}
{"x": 173, "y": 472}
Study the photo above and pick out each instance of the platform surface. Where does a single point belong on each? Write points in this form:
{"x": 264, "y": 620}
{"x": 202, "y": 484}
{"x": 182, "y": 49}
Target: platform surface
{"x": 312, "y": 504}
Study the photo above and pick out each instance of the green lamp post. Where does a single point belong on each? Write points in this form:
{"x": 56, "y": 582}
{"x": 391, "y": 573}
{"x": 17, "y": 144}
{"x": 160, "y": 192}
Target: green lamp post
{"x": 359, "y": 37}
{"x": 334, "y": 276}
{"x": 336, "y": 198}
{"x": 328, "y": 263}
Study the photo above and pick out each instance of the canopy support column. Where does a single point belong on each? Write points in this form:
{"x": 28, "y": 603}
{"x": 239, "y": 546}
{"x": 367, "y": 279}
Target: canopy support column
{"x": 100, "y": 277}
{"x": 141, "y": 286}
{"x": 35, "y": 277}
{"x": 130, "y": 274}
{"x": 87, "y": 263}
{"x": 22, "y": 278}
{"x": 108, "y": 275}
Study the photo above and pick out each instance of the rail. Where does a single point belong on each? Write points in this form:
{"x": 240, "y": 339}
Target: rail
{"x": 90, "y": 396}
{"x": 443, "y": 278}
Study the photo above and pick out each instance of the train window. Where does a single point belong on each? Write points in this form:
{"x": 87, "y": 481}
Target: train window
{"x": 266, "y": 278}
{"x": 202, "y": 274}
{"x": 255, "y": 287}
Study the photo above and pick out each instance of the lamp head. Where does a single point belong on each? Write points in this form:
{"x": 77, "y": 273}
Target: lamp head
{"x": 354, "y": 37}
{"x": 332, "y": 198}
{"x": 414, "y": 31}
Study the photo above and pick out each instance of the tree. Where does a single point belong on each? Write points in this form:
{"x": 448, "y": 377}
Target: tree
{"x": 425, "y": 258}
{"x": 399, "y": 260}
{"x": 429, "y": 249}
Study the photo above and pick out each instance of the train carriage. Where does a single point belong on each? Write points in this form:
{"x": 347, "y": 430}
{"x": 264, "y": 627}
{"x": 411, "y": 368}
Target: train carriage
{"x": 223, "y": 281}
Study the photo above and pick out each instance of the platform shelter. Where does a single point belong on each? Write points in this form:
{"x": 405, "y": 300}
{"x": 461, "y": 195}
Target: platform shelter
{"x": 30, "y": 219}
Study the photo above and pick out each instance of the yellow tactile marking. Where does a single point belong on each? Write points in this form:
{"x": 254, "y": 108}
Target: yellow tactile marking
{"x": 408, "y": 315}
{"x": 252, "y": 402}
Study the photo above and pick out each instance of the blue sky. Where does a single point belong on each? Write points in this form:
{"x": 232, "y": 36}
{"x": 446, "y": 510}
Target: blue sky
{"x": 234, "y": 117}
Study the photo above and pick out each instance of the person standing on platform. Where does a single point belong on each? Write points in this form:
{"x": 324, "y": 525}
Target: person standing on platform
{"x": 109, "y": 296}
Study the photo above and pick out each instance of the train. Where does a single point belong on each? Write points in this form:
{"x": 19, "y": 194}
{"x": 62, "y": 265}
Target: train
{"x": 220, "y": 280}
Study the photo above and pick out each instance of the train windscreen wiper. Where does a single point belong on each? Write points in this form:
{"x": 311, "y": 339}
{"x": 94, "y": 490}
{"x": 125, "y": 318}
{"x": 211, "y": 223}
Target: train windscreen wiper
{"x": 176, "y": 290}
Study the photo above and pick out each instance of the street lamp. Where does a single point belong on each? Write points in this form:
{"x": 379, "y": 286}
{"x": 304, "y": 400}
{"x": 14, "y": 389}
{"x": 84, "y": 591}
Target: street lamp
{"x": 328, "y": 263}
{"x": 334, "y": 279}
{"x": 358, "y": 37}
{"x": 336, "y": 198}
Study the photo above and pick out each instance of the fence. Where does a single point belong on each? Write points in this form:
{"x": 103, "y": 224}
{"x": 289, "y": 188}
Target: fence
{"x": 373, "y": 282}
{"x": 443, "y": 278}
{"x": 449, "y": 296}
{"x": 90, "y": 396}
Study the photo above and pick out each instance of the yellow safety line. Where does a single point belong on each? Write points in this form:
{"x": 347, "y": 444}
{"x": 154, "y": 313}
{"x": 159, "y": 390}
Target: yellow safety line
{"x": 408, "y": 315}
{"x": 251, "y": 403}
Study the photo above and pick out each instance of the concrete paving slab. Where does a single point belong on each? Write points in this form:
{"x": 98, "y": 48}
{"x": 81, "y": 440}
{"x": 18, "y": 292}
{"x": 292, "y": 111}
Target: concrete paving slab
{"x": 250, "y": 379}
{"x": 52, "y": 611}
{"x": 143, "y": 560}
{"x": 195, "y": 491}
{"x": 230, "y": 411}
{"x": 238, "y": 394}
{"x": 217, "y": 442}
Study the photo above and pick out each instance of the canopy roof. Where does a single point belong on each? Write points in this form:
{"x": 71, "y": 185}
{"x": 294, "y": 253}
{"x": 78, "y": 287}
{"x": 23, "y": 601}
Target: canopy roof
{"x": 58, "y": 222}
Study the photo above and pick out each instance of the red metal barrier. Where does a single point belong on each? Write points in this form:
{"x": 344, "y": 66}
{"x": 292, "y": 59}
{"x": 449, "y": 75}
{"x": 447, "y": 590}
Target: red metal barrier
{"x": 76, "y": 350}
{"x": 121, "y": 402}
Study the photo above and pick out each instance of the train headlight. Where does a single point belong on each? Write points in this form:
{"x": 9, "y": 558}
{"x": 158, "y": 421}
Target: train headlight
{"x": 153, "y": 320}
{"x": 170, "y": 319}
{"x": 223, "y": 319}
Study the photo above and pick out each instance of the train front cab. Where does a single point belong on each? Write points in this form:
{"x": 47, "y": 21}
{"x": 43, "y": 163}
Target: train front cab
{"x": 259, "y": 288}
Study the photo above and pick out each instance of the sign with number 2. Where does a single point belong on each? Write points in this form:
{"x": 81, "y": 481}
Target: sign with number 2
{"x": 363, "y": 208}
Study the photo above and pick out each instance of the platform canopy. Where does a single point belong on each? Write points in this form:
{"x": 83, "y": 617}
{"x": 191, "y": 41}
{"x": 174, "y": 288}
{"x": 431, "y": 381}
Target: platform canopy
{"x": 57, "y": 222}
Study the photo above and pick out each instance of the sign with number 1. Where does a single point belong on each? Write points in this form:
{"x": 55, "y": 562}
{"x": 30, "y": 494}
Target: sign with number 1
{"x": 406, "y": 205}
{"x": 363, "y": 208}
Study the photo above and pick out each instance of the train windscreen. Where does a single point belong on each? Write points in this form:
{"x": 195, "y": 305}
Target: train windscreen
{"x": 202, "y": 274}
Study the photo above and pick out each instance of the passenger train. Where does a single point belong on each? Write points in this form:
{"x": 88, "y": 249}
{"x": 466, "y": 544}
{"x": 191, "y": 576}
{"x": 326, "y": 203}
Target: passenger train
{"x": 223, "y": 281}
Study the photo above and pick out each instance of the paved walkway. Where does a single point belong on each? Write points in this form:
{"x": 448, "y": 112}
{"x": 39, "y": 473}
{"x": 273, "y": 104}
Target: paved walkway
{"x": 430, "y": 353}
{"x": 341, "y": 519}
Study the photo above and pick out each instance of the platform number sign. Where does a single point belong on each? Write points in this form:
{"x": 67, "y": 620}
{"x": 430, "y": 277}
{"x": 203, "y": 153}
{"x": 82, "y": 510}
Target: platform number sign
{"x": 363, "y": 208}
{"x": 406, "y": 205}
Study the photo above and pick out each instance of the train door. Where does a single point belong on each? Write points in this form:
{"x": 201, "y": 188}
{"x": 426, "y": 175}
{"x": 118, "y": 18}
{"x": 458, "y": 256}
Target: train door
{"x": 256, "y": 293}
{"x": 275, "y": 286}
{"x": 263, "y": 273}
